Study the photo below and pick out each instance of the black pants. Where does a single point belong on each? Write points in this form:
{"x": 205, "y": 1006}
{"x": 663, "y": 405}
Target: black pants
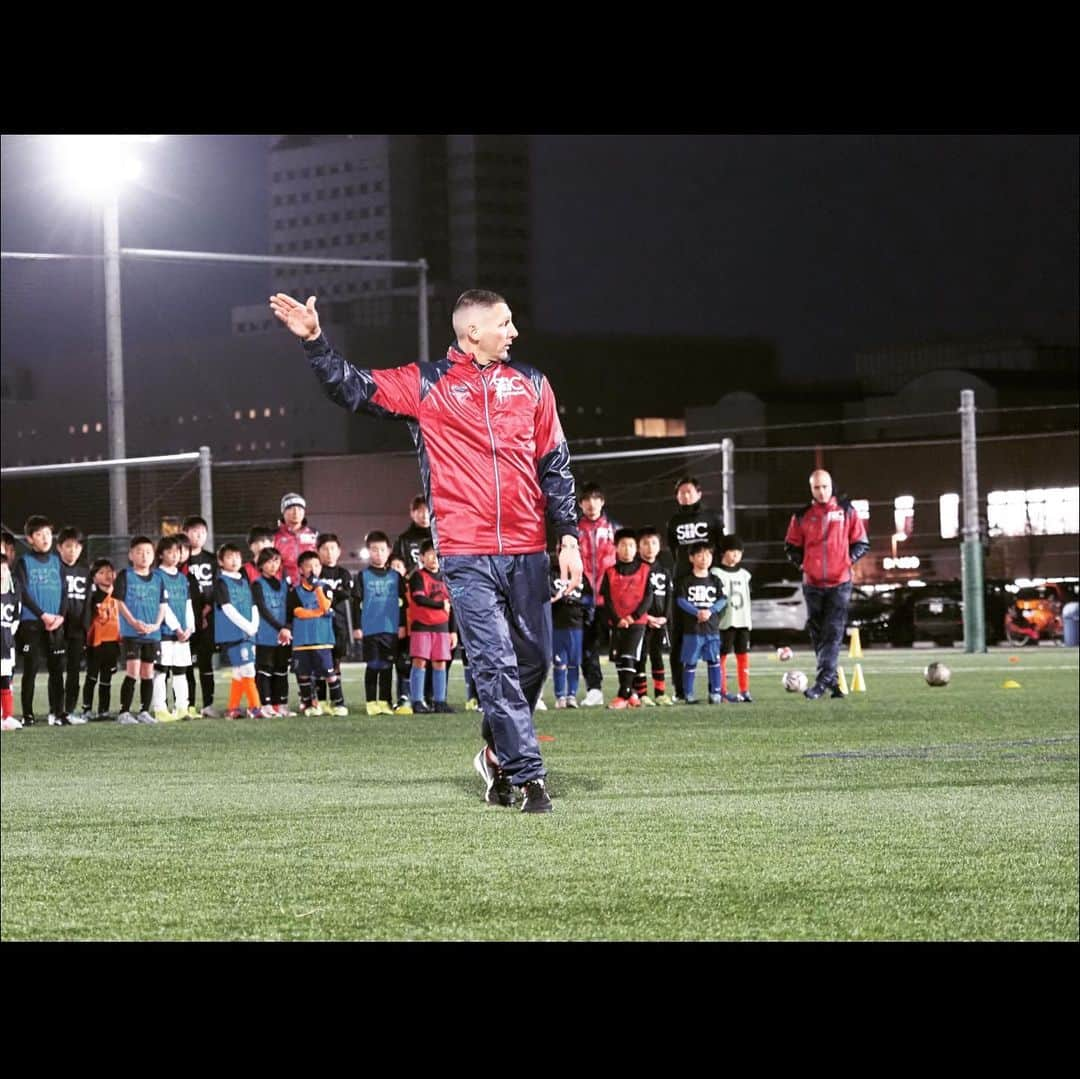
{"x": 33, "y": 642}
{"x": 74, "y": 648}
{"x": 593, "y": 638}
{"x": 827, "y": 616}
{"x": 101, "y": 663}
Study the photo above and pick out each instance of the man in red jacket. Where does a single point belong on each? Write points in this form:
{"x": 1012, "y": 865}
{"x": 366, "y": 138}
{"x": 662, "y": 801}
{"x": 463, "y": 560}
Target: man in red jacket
{"x": 494, "y": 463}
{"x": 824, "y": 540}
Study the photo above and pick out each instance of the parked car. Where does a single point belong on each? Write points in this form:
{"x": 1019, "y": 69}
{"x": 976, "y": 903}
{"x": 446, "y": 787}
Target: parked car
{"x": 778, "y": 610}
{"x": 1035, "y": 615}
{"x": 938, "y": 615}
{"x": 881, "y": 617}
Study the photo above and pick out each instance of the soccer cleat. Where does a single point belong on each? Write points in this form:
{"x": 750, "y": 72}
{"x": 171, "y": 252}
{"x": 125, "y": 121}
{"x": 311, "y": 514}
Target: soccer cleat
{"x": 634, "y": 701}
{"x": 444, "y": 708}
{"x": 402, "y": 700}
{"x": 497, "y": 788}
{"x": 421, "y": 708}
{"x": 618, "y": 703}
{"x": 717, "y": 698}
{"x": 163, "y": 715}
{"x": 193, "y": 712}
{"x": 373, "y": 708}
{"x": 268, "y": 711}
{"x": 86, "y": 715}
{"x": 593, "y": 699}
{"x": 687, "y": 700}
{"x": 540, "y": 706}
{"x": 77, "y": 719}
{"x": 405, "y": 708}
{"x": 209, "y": 712}
{"x": 472, "y": 705}
{"x": 145, "y": 717}
{"x": 745, "y": 698}
{"x": 560, "y": 702}
{"x": 571, "y": 702}
{"x": 337, "y": 710}
{"x": 58, "y": 721}
{"x": 815, "y": 692}
{"x": 385, "y": 708}
{"x": 731, "y": 698}
{"x": 236, "y": 713}
{"x": 28, "y": 720}
{"x": 536, "y": 798}
{"x": 285, "y": 710}
{"x": 126, "y": 719}
{"x": 10, "y": 723}
{"x": 647, "y": 701}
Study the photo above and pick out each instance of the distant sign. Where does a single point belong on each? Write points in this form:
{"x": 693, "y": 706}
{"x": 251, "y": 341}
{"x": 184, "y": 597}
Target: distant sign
{"x": 910, "y": 561}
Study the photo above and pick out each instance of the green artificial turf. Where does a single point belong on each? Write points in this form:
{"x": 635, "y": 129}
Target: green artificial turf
{"x": 903, "y": 813}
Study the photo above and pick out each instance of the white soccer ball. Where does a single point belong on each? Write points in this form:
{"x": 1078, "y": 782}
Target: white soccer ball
{"x": 795, "y": 681}
{"x": 937, "y": 674}
{"x": 784, "y": 653}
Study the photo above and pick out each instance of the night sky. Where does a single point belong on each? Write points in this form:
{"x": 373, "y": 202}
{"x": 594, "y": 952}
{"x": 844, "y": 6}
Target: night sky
{"x": 825, "y": 245}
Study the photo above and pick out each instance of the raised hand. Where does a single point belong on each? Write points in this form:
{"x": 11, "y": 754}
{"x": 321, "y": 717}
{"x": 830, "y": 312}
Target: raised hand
{"x": 302, "y": 319}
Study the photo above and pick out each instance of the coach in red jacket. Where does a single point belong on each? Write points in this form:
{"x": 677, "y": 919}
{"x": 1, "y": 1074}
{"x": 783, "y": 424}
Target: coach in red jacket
{"x": 493, "y": 461}
{"x": 824, "y": 540}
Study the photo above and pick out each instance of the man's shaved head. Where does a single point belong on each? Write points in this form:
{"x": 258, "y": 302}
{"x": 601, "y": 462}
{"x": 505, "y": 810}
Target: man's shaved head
{"x": 464, "y": 308}
{"x": 821, "y": 487}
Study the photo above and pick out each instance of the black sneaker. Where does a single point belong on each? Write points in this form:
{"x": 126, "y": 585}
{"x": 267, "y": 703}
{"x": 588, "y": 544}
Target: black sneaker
{"x": 421, "y": 709}
{"x": 444, "y": 707}
{"x": 28, "y": 721}
{"x": 745, "y": 698}
{"x": 815, "y": 692}
{"x": 497, "y": 787}
{"x": 835, "y": 693}
{"x": 536, "y": 797}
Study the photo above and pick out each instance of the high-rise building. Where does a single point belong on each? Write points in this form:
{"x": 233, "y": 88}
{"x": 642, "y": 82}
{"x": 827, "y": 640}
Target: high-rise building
{"x": 459, "y": 201}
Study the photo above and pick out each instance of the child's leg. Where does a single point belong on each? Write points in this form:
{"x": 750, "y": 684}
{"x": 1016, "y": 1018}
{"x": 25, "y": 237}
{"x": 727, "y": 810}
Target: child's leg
{"x": 742, "y": 659}
{"x": 74, "y": 647}
{"x": 416, "y": 679}
{"x": 56, "y": 660}
{"x": 146, "y": 685}
{"x": 688, "y": 670}
{"x": 93, "y": 663}
{"x": 279, "y": 681}
{"x": 180, "y": 689}
{"x": 7, "y": 698}
{"x": 386, "y": 675}
{"x": 131, "y": 680}
{"x": 438, "y": 680}
{"x": 712, "y": 659}
{"x": 107, "y": 663}
{"x": 264, "y": 665}
{"x": 159, "y": 700}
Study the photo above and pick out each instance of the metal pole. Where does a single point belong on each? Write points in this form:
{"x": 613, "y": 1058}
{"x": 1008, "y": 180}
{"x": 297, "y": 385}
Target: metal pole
{"x": 971, "y": 553}
{"x": 114, "y": 369}
{"x": 727, "y": 449}
{"x": 206, "y": 492}
{"x": 421, "y": 294}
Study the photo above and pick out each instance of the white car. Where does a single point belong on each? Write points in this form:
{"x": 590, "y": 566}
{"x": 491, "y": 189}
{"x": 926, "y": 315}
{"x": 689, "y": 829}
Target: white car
{"x": 778, "y": 609}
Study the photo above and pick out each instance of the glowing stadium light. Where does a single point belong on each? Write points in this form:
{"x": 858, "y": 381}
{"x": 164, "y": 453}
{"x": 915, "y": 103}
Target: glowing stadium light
{"x": 99, "y": 165}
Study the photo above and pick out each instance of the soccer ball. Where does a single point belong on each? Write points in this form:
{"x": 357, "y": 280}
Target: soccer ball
{"x": 784, "y": 654}
{"x": 937, "y": 674}
{"x": 795, "y": 681}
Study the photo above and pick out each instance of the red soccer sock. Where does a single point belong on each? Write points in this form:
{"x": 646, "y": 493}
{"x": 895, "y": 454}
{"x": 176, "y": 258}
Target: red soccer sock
{"x": 723, "y": 672}
{"x": 7, "y": 703}
{"x": 742, "y": 665}
{"x": 658, "y": 681}
{"x": 235, "y": 690}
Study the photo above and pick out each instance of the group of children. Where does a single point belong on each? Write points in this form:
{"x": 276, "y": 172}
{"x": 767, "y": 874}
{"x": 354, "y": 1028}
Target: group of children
{"x": 640, "y": 598}
{"x": 166, "y": 614}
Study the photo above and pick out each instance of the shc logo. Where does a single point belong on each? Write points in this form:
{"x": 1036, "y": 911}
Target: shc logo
{"x": 7, "y": 614}
{"x": 659, "y": 581}
{"x": 76, "y": 587}
{"x": 702, "y": 595}
{"x": 692, "y": 531}
{"x": 508, "y": 386}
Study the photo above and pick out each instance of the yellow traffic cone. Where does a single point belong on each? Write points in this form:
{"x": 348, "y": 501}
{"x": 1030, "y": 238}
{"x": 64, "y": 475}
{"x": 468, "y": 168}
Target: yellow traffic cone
{"x": 858, "y": 683}
{"x": 841, "y": 681}
{"x": 855, "y": 649}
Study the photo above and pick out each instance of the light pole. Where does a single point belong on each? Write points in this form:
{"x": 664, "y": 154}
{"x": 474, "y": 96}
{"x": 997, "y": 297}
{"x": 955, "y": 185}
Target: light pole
{"x": 99, "y": 165}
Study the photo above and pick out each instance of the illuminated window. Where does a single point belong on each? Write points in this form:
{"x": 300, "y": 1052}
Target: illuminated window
{"x": 86, "y": 428}
{"x": 903, "y": 516}
{"x": 862, "y": 508}
{"x": 266, "y": 412}
{"x": 1049, "y": 511}
{"x": 97, "y": 426}
{"x": 655, "y": 427}
{"x": 237, "y": 414}
{"x": 949, "y": 509}
{"x": 251, "y": 413}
